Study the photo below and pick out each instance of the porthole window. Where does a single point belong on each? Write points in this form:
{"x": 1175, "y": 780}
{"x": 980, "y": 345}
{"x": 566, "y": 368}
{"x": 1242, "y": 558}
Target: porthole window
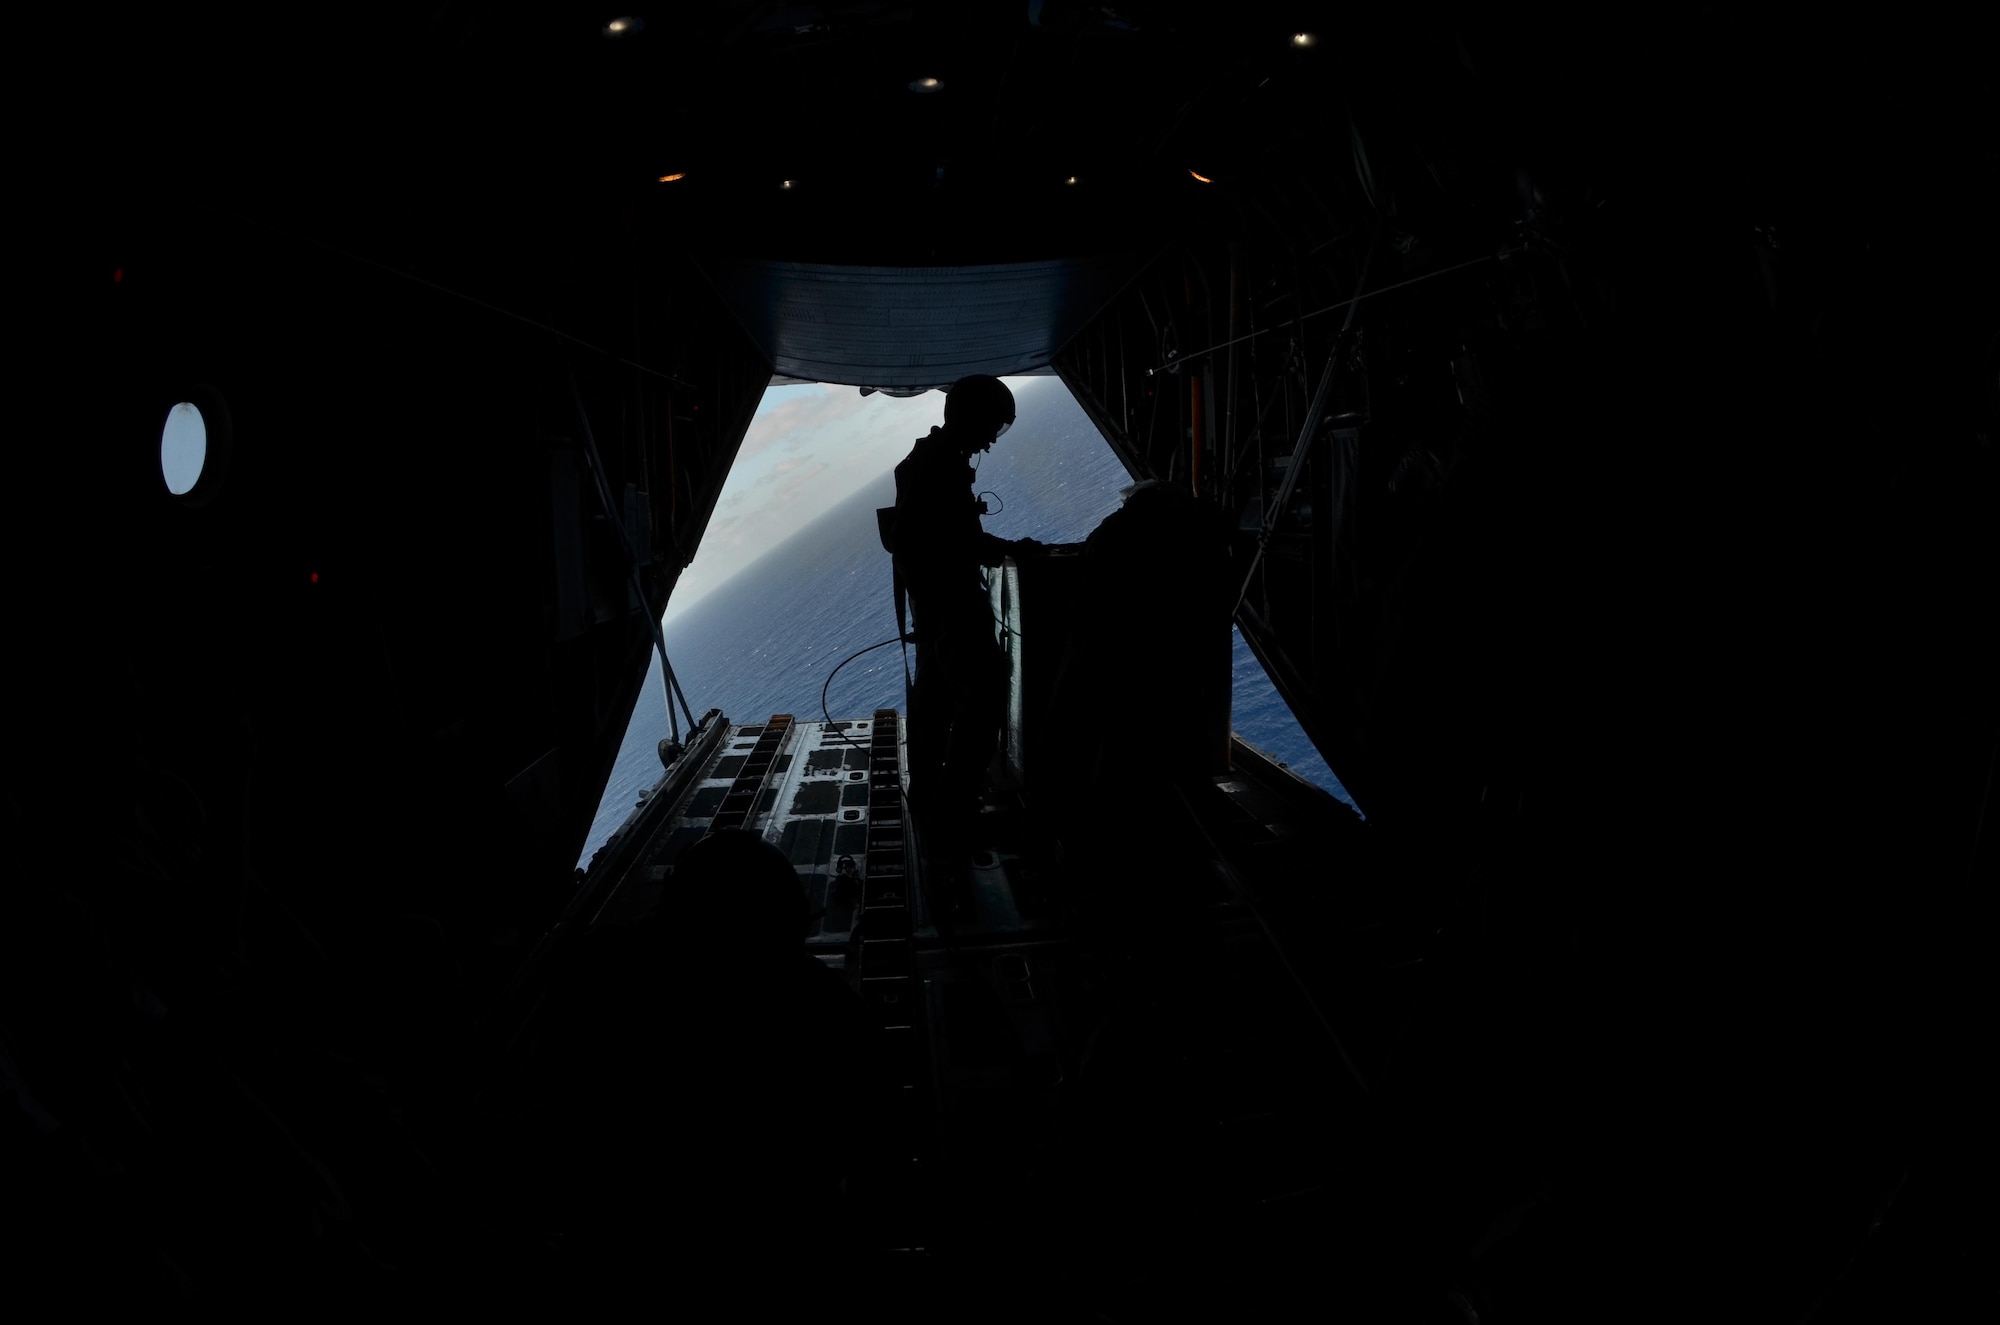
{"x": 183, "y": 447}
{"x": 194, "y": 445}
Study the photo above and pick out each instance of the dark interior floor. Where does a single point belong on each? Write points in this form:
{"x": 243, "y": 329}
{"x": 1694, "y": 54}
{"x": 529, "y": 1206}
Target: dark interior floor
{"x": 1098, "y": 1090}
{"x": 1121, "y": 1089}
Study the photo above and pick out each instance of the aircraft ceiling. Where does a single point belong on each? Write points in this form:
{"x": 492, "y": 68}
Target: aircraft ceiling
{"x": 495, "y": 149}
{"x": 504, "y": 149}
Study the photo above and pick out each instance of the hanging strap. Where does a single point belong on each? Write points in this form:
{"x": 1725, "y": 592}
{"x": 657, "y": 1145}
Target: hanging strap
{"x": 902, "y": 627}
{"x": 885, "y": 528}
{"x": 616, "y": 517}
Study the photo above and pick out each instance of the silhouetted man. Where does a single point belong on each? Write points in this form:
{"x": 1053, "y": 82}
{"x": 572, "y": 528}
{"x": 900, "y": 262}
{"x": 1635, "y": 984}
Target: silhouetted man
{"x": 959, "y": 697}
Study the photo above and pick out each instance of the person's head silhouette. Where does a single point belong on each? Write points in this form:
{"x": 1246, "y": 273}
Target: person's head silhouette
{"x": 977, "y": 410}
{"x": 736, "y": 893}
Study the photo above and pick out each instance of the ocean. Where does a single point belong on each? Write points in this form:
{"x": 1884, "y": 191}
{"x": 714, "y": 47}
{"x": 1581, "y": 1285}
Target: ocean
{"x": 767, "y": 642}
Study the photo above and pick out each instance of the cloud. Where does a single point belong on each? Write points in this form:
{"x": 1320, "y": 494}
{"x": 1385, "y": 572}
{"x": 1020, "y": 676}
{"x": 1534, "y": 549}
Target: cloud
{"x": 799, "y": 480}
{"x": 792, "y": 421}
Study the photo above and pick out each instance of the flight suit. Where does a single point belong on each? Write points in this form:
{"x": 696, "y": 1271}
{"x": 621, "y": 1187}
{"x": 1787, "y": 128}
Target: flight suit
{"x": 959, "y": 697}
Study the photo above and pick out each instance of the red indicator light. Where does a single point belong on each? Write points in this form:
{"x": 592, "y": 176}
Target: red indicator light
{"x": 117, "y": 275}
{"x": 314, "y": 577}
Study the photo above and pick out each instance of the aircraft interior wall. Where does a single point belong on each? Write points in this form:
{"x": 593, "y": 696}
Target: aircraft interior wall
{"x": 432, "y": 698}
{"x": 1636, "y": 574}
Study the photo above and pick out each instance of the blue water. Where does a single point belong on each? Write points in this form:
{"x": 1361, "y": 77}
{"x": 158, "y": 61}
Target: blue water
{"x": 766, "y": 643}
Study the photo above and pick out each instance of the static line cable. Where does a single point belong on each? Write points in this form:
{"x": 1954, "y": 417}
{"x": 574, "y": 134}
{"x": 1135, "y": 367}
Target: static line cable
{"x": 602, "y": 482}
{"x": 605, "y": 497}
{"x": 937, "y": 916}
{"x": 1311, "y": 427}
{"x": 1345, "y": 303}
{"x": 617, "y": 520}
{"x": 824, "y": 711}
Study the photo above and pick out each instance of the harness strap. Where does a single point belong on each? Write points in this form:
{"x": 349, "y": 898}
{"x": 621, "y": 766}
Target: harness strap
{"x": 885, "y": 527}
{"x": 902, "y": 629}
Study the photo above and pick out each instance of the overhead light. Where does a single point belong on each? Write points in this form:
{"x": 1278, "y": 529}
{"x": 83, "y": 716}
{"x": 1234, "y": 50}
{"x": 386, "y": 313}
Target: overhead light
{"x": 1070, "y": 180}
{"x": 1304, "y": 40}
{"x": 926, "y": 85}
{"x": 788, "y": 184}
{"x": 1203, "y": 178}
{"x": 624, "y": 27}
{"x": 668, "y": 179}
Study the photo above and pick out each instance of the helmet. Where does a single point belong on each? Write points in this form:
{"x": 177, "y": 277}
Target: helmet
{"x": 980, "y": 399}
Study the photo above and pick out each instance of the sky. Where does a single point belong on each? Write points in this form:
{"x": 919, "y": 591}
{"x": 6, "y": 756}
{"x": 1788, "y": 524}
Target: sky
{"x": 808, "y": 449}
